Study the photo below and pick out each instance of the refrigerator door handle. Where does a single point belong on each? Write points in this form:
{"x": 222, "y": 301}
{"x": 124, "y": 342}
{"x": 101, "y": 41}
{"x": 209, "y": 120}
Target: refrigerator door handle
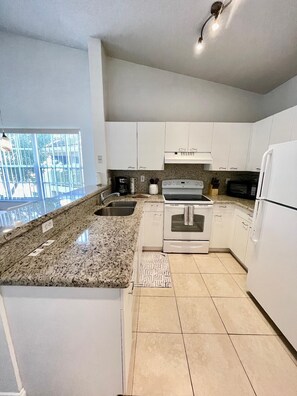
{"x": 186, "y": 215}
{"x": 263, "y": 172}
{"x": 256, "y": 228}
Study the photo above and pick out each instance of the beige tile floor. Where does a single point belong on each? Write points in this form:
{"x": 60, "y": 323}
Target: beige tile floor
{"x": 207, "y": 337}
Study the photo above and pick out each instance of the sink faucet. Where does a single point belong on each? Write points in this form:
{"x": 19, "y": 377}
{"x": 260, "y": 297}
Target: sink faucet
{"x": 104, "y": 198}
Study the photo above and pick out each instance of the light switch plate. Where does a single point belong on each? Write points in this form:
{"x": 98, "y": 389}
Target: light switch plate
{"x": 142, "y": 178}
{"x": 47, "y": 226}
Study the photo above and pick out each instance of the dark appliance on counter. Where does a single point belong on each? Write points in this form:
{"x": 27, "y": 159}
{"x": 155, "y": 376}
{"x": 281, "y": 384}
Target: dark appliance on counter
{"x": 122, "y": 185}
{"x": 242, "y": 189}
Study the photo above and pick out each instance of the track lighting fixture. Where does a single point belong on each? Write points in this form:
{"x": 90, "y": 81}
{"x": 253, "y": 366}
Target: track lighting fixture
{"x": 216, "y": 10}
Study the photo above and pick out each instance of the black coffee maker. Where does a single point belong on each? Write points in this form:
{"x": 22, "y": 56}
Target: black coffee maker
{"x": 122, "y": 185}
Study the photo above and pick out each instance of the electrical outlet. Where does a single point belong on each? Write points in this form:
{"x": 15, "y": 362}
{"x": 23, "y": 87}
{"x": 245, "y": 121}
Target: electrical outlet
{"x": 142, "y": 178}
{"x": 48, "y": 225}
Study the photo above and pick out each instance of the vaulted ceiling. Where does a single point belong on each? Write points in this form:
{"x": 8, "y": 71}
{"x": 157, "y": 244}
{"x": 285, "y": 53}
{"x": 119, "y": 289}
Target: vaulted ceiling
{"x": 254, "y": 49}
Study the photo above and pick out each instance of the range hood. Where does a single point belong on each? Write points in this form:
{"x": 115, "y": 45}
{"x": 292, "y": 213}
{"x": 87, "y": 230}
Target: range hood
{"x": 188, "y": 158}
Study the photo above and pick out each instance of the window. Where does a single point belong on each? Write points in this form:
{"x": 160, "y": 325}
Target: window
{"x": 42, "y": 164}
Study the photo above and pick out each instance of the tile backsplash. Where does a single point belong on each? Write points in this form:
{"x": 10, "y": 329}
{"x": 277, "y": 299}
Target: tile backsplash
{"x": 186, "y": 171}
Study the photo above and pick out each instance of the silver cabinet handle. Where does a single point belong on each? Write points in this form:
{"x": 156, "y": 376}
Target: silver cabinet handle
{"x": 221, "y": 167}
{"x": 193, "y": 149}
{"x": 222, "y": 206}
{"x": 186, "y": 215}
{"x": 232, "y": 167}
{"x": 131, "y": 167}
{"x": 191, "y": 215}
{"x": 142, "y": 167}
{"x": 218, "y": 216}
{"x": 258, "y": 169}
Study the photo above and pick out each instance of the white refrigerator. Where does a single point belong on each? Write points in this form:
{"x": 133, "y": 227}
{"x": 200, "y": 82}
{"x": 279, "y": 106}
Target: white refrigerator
{"x": 272, "y": 255}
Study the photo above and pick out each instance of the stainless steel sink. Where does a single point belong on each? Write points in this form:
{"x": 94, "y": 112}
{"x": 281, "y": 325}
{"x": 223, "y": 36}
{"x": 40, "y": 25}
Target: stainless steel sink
{"x": 114, "y": 211}
{"x": 122, "y": 204}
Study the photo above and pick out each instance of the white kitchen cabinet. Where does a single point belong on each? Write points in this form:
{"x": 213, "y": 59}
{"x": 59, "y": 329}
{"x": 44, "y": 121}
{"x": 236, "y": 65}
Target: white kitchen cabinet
{"x": 153, "y": 226}
{"x": 222, "y": 225}
{"x": 200, "y": 137}
{"x": 177, "y": 136}
{"x": 259, "y": 143}
{"x": 282, "y": 126}
{"x": 230, "y": 146}
{"x": 121, "y": 140}
{"x": 220, "y": 146}
{"x": 189, "y": 136}
{"x": 241, "y": 232}
{"x": 151, "y": 144}
{"x": 240, "y": 134}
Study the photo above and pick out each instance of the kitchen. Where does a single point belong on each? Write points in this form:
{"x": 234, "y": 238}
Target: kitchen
{"x": 71, "y": 302}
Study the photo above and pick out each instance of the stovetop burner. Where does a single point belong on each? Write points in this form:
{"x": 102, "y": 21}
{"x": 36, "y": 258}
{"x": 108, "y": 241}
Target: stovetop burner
{"x": 186, "y": 197}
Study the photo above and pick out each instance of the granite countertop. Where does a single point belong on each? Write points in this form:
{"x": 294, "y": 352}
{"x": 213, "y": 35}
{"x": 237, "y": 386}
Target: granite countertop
{"x": 95, "y": 251}
{"x": 226, "y": 199}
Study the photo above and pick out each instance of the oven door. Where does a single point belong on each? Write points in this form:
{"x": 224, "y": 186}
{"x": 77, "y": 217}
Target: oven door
{"x": 187, "y": 222}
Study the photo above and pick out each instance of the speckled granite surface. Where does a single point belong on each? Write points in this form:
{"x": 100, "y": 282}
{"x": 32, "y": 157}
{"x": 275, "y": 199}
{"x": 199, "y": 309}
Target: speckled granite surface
{"x": 94, "y": 251}
{"x": 225, "y": 199}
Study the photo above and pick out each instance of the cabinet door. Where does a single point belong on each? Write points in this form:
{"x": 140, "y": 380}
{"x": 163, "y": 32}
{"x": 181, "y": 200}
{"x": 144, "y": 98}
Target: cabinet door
{"x": 259, "y": 143}
{"x": 177, "y": 134}
{"x": 151, "y": 143}
{"x": 153, "y": 230}
{"x": 200, "y": 136}
{"x": 221, "y": 226}
{"x": 240, "y": 238}
{"x": 240, "y": 134}
{"x": 220, "y": 146}
{"x": 282, "y": 124}
{"x": 121, "y": 145}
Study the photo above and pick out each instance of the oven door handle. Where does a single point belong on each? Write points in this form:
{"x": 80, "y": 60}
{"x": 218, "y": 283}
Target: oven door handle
{"x": 186, "y": 215}
{"x": 191, "y": 215}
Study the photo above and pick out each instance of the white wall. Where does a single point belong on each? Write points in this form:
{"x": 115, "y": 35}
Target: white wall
{"x": 280, "y": 98}
{"x": 141, "y": 93}
{"x": 97, "y": 66}
{"x": 45, "y": 85}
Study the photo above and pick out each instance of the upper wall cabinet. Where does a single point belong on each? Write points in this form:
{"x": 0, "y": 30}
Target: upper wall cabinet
{"x": 121, "y": 141}
{"x": 259, "y": 143}
{"x": 177, "y": 136}
{"x": 200, "y": 136}
{"x": 188, "y": 136}
{"x": 230, "y": 146}
{"x": 283, "y": 124}
{"x": 151, "y": 143}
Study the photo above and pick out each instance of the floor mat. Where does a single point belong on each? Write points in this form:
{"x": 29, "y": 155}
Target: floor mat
{"x": 154, "y": 270}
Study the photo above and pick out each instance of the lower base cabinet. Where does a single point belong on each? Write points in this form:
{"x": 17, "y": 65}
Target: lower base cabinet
{"x": 222, "y": 224}
{"x": 152, "y": 226}
{"x": 231, "y": 229}
{"x": 241, "y": 232}
{"x": 73, "y": 341}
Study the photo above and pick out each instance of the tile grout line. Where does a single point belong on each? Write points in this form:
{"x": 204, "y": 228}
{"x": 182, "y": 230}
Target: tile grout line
{"x": 230, "y": 338}
{"x": 234, "y": 348}
{"x": 182, "y": 334}
{"x": 136, "y": 332}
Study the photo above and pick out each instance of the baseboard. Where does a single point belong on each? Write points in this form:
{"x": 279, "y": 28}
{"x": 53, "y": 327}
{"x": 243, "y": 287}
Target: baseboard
{"x": 22, "y": 392}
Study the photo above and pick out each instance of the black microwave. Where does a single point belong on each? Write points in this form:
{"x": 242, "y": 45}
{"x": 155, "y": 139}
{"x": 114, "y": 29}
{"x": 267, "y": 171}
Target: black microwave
{"x": 242, "y": 189}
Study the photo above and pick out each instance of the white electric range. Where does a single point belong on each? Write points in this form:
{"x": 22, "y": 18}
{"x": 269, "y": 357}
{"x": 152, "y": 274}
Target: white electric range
{"x": 187, "y": 217}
